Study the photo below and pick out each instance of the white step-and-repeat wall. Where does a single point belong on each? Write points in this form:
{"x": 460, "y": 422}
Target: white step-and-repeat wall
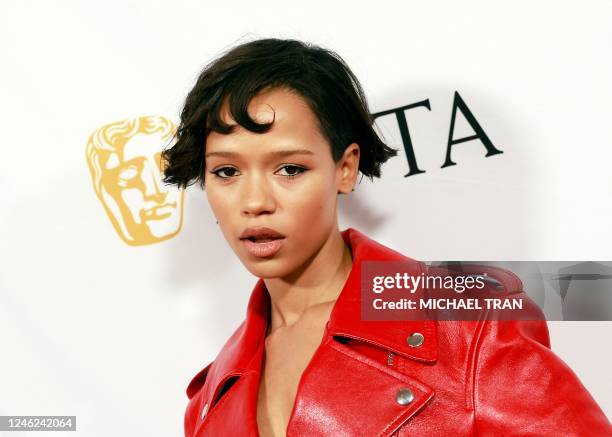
{"x": 115, "y": 290}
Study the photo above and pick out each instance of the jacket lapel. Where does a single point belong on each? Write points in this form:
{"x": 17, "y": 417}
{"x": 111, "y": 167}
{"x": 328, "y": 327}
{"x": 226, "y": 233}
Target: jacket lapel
{"x": 229, "y": 400}
{"x": 346, "y": 320}
{"x": 343, "y": 392}
{"x": 330, "y": 395}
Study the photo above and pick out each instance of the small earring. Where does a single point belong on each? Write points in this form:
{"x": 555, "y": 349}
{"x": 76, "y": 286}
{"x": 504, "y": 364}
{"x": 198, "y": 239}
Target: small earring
{"x": 217, "y": 221}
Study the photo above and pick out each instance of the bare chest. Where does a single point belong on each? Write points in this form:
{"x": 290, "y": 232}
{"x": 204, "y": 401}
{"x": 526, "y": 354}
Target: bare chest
{"x": 286, "y": 356}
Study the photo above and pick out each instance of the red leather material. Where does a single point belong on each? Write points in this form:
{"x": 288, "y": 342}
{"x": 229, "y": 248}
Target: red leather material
{"x": 370, "y": 391}
{"x": 468, "y": 378}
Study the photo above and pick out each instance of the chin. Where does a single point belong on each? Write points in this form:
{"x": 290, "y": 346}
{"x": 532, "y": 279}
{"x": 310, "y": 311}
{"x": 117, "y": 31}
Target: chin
{"x": 267, "y": 268}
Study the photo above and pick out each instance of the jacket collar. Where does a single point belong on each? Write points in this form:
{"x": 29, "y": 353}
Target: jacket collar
{"x": 240, "y": 358}
{"x": 345, "y": 319}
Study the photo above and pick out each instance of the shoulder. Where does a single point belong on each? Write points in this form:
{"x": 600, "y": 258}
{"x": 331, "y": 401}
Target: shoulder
{"x": 486, "y": 299}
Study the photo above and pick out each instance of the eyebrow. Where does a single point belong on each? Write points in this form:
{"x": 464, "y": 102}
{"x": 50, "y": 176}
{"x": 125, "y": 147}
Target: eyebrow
{"x": 274, "y": 154}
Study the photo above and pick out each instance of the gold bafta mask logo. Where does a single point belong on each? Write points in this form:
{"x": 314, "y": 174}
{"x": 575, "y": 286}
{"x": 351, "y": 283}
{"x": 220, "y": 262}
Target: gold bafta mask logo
{"x": 124, "y": 160}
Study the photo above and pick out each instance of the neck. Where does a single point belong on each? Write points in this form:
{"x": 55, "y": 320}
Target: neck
{"x": 319, "y": 283}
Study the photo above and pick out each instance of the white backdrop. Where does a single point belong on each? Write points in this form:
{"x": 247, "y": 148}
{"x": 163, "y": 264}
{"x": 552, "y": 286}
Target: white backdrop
{"x": 93, "y": 327}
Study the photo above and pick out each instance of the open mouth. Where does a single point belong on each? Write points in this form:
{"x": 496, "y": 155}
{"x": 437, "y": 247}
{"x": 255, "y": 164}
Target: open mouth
{"x": 263, "y": 247}
{"x": 262, "y": 240}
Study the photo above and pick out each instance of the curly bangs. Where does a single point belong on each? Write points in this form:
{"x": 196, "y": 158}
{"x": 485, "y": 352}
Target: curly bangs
{"x": 319, "y": 76}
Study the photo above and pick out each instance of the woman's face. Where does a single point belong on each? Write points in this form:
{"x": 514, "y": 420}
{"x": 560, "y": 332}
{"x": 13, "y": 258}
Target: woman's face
{"x": 284, "y": 179}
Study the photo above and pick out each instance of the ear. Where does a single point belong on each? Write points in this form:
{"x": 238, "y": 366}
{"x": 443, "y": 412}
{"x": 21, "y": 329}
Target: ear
{"x": 347, "y": 169}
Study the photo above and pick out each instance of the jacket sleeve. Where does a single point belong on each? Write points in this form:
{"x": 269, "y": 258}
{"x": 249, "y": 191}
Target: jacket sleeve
{"x": 521, "y": 388}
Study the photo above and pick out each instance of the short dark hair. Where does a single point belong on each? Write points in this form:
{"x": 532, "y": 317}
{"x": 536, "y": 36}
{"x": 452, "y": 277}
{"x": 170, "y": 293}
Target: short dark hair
{"x": 318, "y": 75}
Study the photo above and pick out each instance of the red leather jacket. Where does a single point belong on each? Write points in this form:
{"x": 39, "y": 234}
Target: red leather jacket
{"x": 462, "y": 378}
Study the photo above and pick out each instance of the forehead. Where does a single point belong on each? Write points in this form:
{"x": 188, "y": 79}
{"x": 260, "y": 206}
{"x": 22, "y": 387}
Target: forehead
{"x": 139, "y": 145}
{"x": 294, "y": 125}
{"x": 142, "y": 144}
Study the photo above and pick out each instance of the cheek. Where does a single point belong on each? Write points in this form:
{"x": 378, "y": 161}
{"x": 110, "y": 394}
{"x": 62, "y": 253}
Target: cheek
{"x": 132, "y": 197}
{"x": 316, "y": 200}
{"x": 219, "y": 204}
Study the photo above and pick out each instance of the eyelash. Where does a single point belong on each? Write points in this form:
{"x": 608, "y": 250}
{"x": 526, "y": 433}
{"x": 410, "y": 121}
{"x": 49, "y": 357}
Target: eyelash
{"x": 302, "y": 170}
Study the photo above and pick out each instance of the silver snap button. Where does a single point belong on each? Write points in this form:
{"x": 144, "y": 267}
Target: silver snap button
{"x": 204, "y": 411}
{"x": 415, "y": 339}
{"x": 404, "y": 396}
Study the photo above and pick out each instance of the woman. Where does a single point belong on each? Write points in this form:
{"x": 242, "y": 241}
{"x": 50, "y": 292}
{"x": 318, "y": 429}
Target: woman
{"x": 278, "y": 129}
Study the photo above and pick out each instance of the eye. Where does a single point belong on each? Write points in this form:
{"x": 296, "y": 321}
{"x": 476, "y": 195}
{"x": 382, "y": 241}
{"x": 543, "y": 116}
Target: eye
{"x": 290, "y": 170}
{"x": 293, "y": 168}
{"x": 126, "y": 176}
{"x": 128, "y": 173}
{"x": 219, "y": 172}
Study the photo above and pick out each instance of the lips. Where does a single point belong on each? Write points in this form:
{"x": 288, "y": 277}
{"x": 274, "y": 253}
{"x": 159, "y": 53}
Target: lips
{"x": 260, "y": 233}
{"x": 262, "y": 241}
{"x": 159, "y": 211}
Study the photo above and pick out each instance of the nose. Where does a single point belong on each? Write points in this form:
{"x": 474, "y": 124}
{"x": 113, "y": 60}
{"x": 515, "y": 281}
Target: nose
{"x": 150, "y": 179}
{"x": 257, "y": 196}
